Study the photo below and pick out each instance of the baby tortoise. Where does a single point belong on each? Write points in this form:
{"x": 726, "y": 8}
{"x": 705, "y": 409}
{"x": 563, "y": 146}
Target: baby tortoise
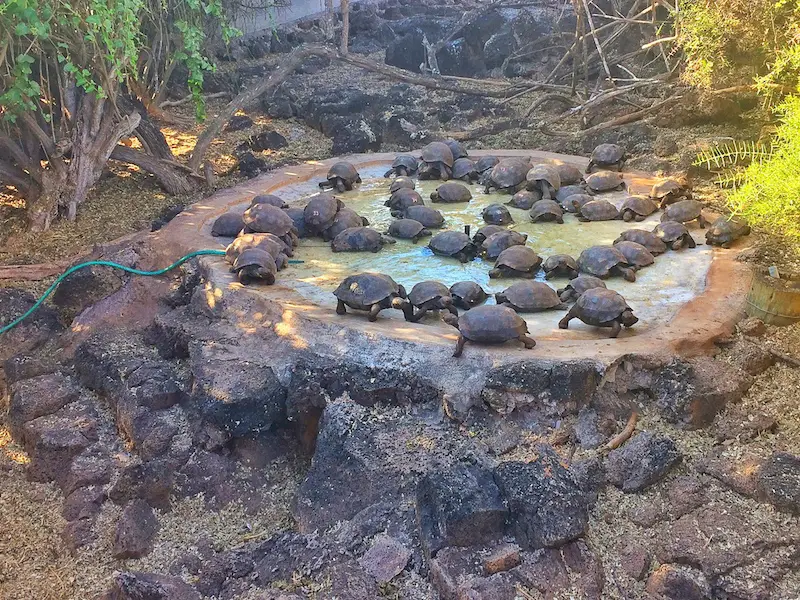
{"x": 565, "y": 191}
{"x": 508, "y": 176}
{"x": 402, "y": 182}
{"x": 530, "y": 296}
{"x": 604, "y": 181}
{"x": 637, "y": 208}
{"x": 457, "y": 148}
{"x": 685, "y": 211}
{"x": 547, "y": 211}
{"x": 344, "y": 219}
{"x": 269, "y": 199}
{"x": 403, "y": 165}
{"x": 262, "y": 241}
{"x": 403, "y": 198}
{"x": 454, "y": 244}
{"x": 648, "y": 239}
{"x": 607, "y": 156}
{"x": 451, "y": 193}
{"x": 429, "y": 217}
{"x": 360, "y": 239}
{"x": 467, "y": 294}
{"x": 516, "y": 261}
{"x": 372, "y": 292}
{"x": 575, "y": 202}
{"x": 486, "y": 232}
{"x": 560, "y": 265}
{"x": 597, "y": 210}
{"x": 408, "y": 229}
{"x": 484, "y": 166}
{"x": 524, "y": 199}
{"x": 724, "y": 231}
{"x": 430, "y": 295}
{"x": 674, "y": 235}
{"x": 228, "y": 224}
{"x": 497, "y": 214}
{"x": 489, "y": 324}
{"x": 265, "y": 218}
{"x": 298, "y": 217}
{"x": 601, "y": 307}
{"x": 342, "y": 176}
{"x": 569, "y": 174}
{"x": 320, "y": 212}
{"x": 543, "y": 179}
{"x": 437, "y": 162}
{"x": 670, "y": 191}
{"x": 494, "y": 245}
{"x": 576, "y": 287}
{"x": 464, "y": 170}
{"x": 604, "y": 261}
{"x": 255, "y": 264}
{"x": 636, "y": 254}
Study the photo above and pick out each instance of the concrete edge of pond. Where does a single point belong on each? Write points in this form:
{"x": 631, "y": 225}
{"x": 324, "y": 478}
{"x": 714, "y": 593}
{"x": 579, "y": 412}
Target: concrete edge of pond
{"x": 692, "y": 331}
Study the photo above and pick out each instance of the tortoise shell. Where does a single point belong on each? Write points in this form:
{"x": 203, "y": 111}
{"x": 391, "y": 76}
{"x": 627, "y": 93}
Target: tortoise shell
{"x": 575, "y": 202}
{"x": 457, "y": 148}
{"x": 541, "y": 173}
{"x": 569, "y": 174}
{"x": 345, "y": 171}
{"x": 547, "y": 210}
{"x": 262, "y": 241}
{"x": 529, "y": 296}
{"x": 565, "y": 191}
{"x": 255, "y": 263}
{"x": 668, "y": 187}
{"x": 638, "y": 205}
{"x": 648, "y": 239}
{"x": 605, "y": 181}
{"x": 402, "y": 182}
{"x": 429, "y": 217}
{"x": 599, "y": 210}
{"x": 298, "y": 218}
{"x": 228, "y": 224}
{"x": 366, "y": 289}
{"x": 451, "y": 193}
{"x": 497, "y": 214}
{"x": 407, "y": 229}
{"x": 357, "y": 239}
{"x": 672, "y": 231}
{"x": 724, "y": 231}
{"x": 635, "y": 254}
{"x": 467, "y": 294}
{"x": 403, "y": 199}
{"x": 344, "y": 219}
{"x": 450, "y": 243}
{"x": 599, "y": 260}
{"x": 486, "y": 232}
{"x": 497, "y": 242}
{"x": 578, "y": 286}
{"x": 560, "y": 262}
{"x": 485, "y": 163}
{"x": 265, "y": 218}
{"x": 524, "y": 199}
{"x": 406, "y": 161}
{"x": 268, "y": 199}
{"x": 425, "y": 291}
{"x": 519, "y": 258}
{"x": 607, "y": 155}
{"x": 509, "y": 173}
{"x": 464, "y": 168}
{"x": 683, "y": 211}
{"x": 491, "y": 324}
{"x": 438, "y": 152}
{"x": 320, "y": 212}
{"x": 597, "y": 306}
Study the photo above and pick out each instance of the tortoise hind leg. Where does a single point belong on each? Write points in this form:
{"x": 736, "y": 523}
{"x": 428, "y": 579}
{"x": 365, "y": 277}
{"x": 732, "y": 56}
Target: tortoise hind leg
{"x": 529, "y": 342}
{"x": 564, "y": 323}
{"x": 341, "y": 308}
{"x": 373, "y": 312}
{"x": 615, "y": 329}
{"x": 459, "y": 346}
{"x": 419, "y": 314}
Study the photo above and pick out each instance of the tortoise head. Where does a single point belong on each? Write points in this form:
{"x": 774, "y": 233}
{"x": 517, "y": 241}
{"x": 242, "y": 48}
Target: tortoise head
{"x": 405, "y": 306}
{"x": 450, "y": 319}
{"x": 628, "y": 319}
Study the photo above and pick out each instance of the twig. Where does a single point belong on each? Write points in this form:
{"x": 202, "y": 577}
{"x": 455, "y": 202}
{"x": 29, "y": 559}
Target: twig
{"x": 596, "y": 39}
{"x": 623, "y": 435}
{"x": 785, "y": 358}
{"x": 629, "y": 118}
{"x": 189, "y": 98}
{"x": 665, "y": 40}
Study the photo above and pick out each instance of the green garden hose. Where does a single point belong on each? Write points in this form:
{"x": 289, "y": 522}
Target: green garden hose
{"x": 108, "y": 263}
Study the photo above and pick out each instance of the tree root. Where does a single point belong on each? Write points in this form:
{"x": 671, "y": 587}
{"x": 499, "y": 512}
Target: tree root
{"x": 625, "y": 434}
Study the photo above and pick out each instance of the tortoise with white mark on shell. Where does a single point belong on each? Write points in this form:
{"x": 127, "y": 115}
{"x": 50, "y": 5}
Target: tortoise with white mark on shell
{"x": 228, "y": 224}
{"x": 569, "y": 174}
{"x": 265, "y": 218}
{"x": 670, "y": 191}
{"x": 430, "y": 295}
{"x": 360, "y": 239}
{"x": 403, "y": 165}
{"x": 675, "y": 235}
{"x": 342, "y": 176}
{"x": 408, "y": 229}
{"x": 576, "y": 287}
{"x": 604, "y": 181}
{"x": 685, "y": 211}
{"x": 648, "y": 239}
{"x": 725, "y": 230}
{"x": 255, "y": 265}
{"x": 486, "y": 232}
{"x": 297, "y": 216}
{"x": 403, "y": 198}
{"x": 262, "y": 241}
{"x": 597, "y": 210}
{"x": 269, "y": 199}
{"x": 524, "y": 199}
{"x": 543, "y": 179}
{"x": 560, "y": 265}
{"x": 372, "y": 292}
{"x": 429, "y": 217}
{"x": 636, "y": 254}
{"x": 637, "y": 208}
{"x": 530, "y": 296}
{"x": 516, "y": 261}
{"x": 497, "y": 214}
{"x": 344, "y": 219}
{"x": 546, "y": 211}
{"x": 464, "y": 170}
{"x": 605, "y": 261}
{"x": 508, "y": 176}
{"x": 607, "y": 156}
{"x": 454, "y": 244}
{"x": 467, "y": 294}
{"x": 320, "y": 211}
{"x": 494, "y": 245}
{"x": 437, "y": 162}
{"x": 451, "y": 193}
{"x": 601, "y": 308}
{"x": 489, "y": 324}
{"x": 402, "y": 182}
{"x": 575, "y": 202}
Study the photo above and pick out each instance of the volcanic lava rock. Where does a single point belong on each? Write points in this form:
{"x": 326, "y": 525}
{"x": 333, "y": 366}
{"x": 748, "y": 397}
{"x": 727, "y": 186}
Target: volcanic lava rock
{"x": 498, "y": 47}
{"x": 641, "y": 462}
{"x": 267, "y": 140}
{"x": 238, "y": 123}
{"x": 136, "y": 530}
{"x": 459, "y": 507}
{"x": 673, "y": 582}
{"x": 83, "y": 503}
{"x": 406, "y": 52}
{"x": 149, "y": 586}
{"x": 152, "y": 481}
{"x": 739, "y": 474}
{"x": 33, "y": 331}
{"x": 38, "y": 397}
{"x": 779, "y": 481}
{"x": 635, "y": 561}
{"x": 385, "y": 559}
{"x": 459, "y": 58}
{"x": 250, "y": 166}
{"x": 547, "y": 508}
{"x": 355, "y": 136}
{"x": 543, "y": 570}
{"x": 591, "y": 430}
{"x": 106, "y": 360}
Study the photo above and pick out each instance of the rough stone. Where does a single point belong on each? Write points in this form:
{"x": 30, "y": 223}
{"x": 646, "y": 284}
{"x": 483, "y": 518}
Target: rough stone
{"x": 734, "y": 425}
{"x": 33, "y": 331}
{"x": 635, "y": 561}
{"x": 83, "y": 503}
{"x": 106, "y": 360}
{"x": 665, "y": 146}
{"x": 452, "y": 568}
{"x": 546, "y": 388}
{"x": 38, "y": 397}
{"x": 78, "y": 533}
{"x": 159, "y": 385}
{"x": 385, "y": 559}
{"x": 498, "y": 48}
{"x": 267, "y": 140}
{"x": 582, "y": 561}
{"x": 502, "y": 558}
{"x": 90, "y": 468}
{"x": 546, "y": 505}
{"x": 684, "y": 494}
{"x": 591, "y": 430}
{"x": 752, "y": 326}
{"x": 779, "y": 482}
{"x": 641, "y": 462}
{"x": 590, "y": 475}
{"x": 149, "y": 586}
{"x": 501, "y": 586}
{"x": 136, "y": 531}
{"x": 357, "y": 136}
{"x": 739, "y": 474}
{"x": 543, "y": 570}
{"x": 151, "y": 481}
{"x": 645, "y": 514}
{"x": 459, "y": 58}
{"x": 672, "y": 582}
{"x": 750, "y": 358}
{"x": 459, "y": 507}
{"x": 27, "y": 366}
{"x": 691, "y": 392}
{"x": 406, "y": 52}
{"x": 350, "y": 582}
{"x": 250, "y": 165}
{"x": 204, "y": 473}
{"x": 239, "y": 122}
{"x": 240, "y": 396}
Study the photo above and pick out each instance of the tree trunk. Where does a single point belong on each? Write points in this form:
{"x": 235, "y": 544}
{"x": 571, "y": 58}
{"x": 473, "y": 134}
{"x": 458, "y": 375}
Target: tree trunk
{"x": 345, "y": 6}
{"x": 330, "y": 21}
{"x": 173, "y": 177}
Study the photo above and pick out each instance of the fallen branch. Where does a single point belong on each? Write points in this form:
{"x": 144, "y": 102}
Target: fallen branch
{"x": 790, "y": 360}
{"x": 629, "y": 118}
{"x": 625, "y": 434}
{"x": 500, "y": 126}
{"x": 189, "y": 98}
{"x": 32, "y": 272}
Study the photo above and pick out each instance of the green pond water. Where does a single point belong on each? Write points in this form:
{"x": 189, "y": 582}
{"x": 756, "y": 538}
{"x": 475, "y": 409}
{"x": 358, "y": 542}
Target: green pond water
{"x": 657, "y": 294}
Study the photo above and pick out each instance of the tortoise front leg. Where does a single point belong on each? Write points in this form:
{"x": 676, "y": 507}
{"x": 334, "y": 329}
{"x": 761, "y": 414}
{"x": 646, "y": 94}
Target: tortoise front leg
{"x": 528, "y": 341}
{"x": 373, "y": 312}
{"x": 546, "y": 191}
{"x": 615, "y": 329}
{"x": 701, "y": 220}
{"x": 453, "y": 310}
{"x": 571, "y": 314}
{"x": 341, "y": 308}
{"x": 419, "y": 314}
{"x": 459, "y": 346}
{"x": 590, "y": 166}
{"x": 677, "y": 244}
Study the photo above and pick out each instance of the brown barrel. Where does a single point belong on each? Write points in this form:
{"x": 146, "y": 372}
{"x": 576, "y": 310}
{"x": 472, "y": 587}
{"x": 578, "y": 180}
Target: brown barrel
{"x": 774, "y": 301}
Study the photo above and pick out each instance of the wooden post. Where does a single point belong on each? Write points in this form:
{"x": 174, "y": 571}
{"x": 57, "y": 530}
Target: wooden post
{"x": 345, "y": 6}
